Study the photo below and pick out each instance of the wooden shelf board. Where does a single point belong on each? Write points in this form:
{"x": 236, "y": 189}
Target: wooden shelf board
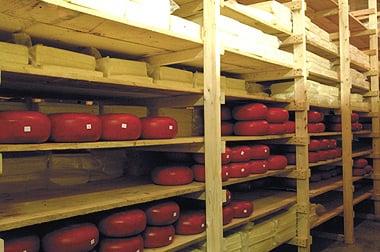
{"x": 324, "y": 106}
{"x": 265, "y": 202}
{"x": 45, "y": 206}
{"x": 360, "y": 153}
{"x": 325, "y": 134}
{"x": 97, "y": 145}
{"x": 324, "y": 186}
{"x": 233, "y": 11}
{"x": 252, "y": 177}
{"x": 326, "y": 162}
{"x": 328, "y": 216}
{"x": 357, "y": 109}
{"x": 359, "y": 66}
{"x": 362, "y": 194}
{"x": 243, "y": 95}
{"x": 362, "y": 132}
{"x": 180, "y": 242}
{"x": 331, "y": 79}
{"x": 315, "y": 47}
{"x": 255, "y": 138}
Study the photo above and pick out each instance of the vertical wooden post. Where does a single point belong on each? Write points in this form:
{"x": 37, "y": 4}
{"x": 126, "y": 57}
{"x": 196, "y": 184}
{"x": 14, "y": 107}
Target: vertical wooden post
{"x": 374, "y": 60}
{"x": 345, "y": 90}
{"x": 2, "y": 249}
{"x": 1, "y": 164}
{"x": 213, "y": 140}
{"x": 303, "y": 201}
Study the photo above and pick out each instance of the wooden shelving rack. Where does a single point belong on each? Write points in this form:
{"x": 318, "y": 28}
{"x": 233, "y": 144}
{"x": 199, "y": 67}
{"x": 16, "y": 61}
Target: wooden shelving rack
{"x": 161, "y": 48}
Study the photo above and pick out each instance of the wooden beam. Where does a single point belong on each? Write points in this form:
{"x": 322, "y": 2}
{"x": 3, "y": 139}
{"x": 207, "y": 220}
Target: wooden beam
{"x": 344, "y": 44}
{"x": 364, "y": 12}
{"x": 202, "y": 196}
{"x": 180, "y": 101}
{"x": 186, "y": 148}
{"x": 1, "y": 164}
{"x": 213, "y": 139}
{"x": 272, "y": 75}
{"x": 176, "y": 57}
{"x": 326, "y": 13}
{"x": 335, "y": 36}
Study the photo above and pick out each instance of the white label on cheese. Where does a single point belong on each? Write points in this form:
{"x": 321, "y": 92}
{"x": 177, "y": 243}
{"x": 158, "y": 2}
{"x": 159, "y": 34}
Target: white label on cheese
{"x": 174, "y": 214}
{"x": 124, "y": 125}
{"x": 25, "y": 250}
{"x": 228, "y": 156}
{"x": 242, "y": 153}
{"x": 27, "y": 129}
{"x": 92, "y": 241}
{"x": 227, "y": 173}
{"x": 170, "y": 238}
{"x": 245, "y": 211}
{"x": 243, "y": 170}
{"x": 203, "y": 225}
{"x": 171, "y": 127}
{"x": 88, "y": 126}
{"x": 266, "y": 150}
{"x": 138, "y": 250}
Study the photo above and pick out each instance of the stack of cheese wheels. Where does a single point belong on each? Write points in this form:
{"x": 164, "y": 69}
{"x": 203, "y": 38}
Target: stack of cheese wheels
{"x": 361, "y": 167}
{"x": 319, "y": 150}
{"x": 335, "y": 123}
{"x": 256, "y": 119}
{"x": 315, "y": 122}
{"x": 122, "y": 231}
{"x": 191, "y": 222}
{"x": 161, "y": 217}
{"x": 74, "y": 238}
{"x": 227, "y": 124}
{"x": 199, "y": 168}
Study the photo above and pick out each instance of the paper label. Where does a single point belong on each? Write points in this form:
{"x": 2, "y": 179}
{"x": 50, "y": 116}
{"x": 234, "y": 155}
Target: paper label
{"x": 170, "y": 238}
{"x": 243, "y": 170}
{"x": 27, "y": 129}
{"x": 203, "y": 225}
{"x": 245, "y": 211}
{"x": 124, "y": 125}
{"x": 228, "y": 156}
{"x": 227, "y": 173}
{"x": 242, "y": 153}
{"x": 171, "y": 127}
{"x": 92, "y": 242}
{"x": 174, "y": 214}
{"x": 88, "y": 126}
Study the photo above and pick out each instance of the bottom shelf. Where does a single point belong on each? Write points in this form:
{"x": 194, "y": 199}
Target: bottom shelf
{"x": 180, "y": 242}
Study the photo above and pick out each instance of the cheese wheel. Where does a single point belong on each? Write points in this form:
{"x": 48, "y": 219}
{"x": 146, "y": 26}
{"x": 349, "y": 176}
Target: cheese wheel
{"x": 356, "y": 126}
{"x": 339, "y": 150}
{"x": 316, "y": 127}
{"x": 258, "y": 166}
{"x": 277, "y": 115}
{"x": 228, "y": 198}
{"x": 290, "y": 127}
{"x": 160, "y": 127}
{"x": 227, "y": 128}
{"x": 242, "y": 208}
{"x": 259, "y": 151}
{"x": 315, "y": 116}
{"x": 277, "y": 162}
{"x": 355, "y": 117}
{"x": 360, "y": 163}
{"x": 162, "y": 214}
{"x": 368, "y": 169}
{"x": 314, "y": 157}
{"x": 123, "y": 224}
{"x": 120, "y": 127}
{"x": 131, "y": 244}
{"x": 29, "y": 243}
{"x": 239, "y": 170}
{"x": 333, "y": 144}
{"x": 276, "y": 129}
{"x": 157, "y": 237}
{"x": 74, "y": 238}
{"x": 251, "y": 128}
{"x": 325, "y": 144}
{"x": 191, "y": 223}
{"x": 291, "y": 157}
{"x": 323, "y": 155}
{"x": 225, "y": 113}
{"x": 240, "y": 154}
{"x": 358, "y": 172}
{"x": 228, "y": 214}
{"x": 24, "y": 127}
{"x": 331, "y": 154}
{"x": 172, "y": 175}
{"x": 335, "y": 127}
{"x": 250, "y": 112}
{"x": 226, "y": 157}
{"x": 314, "y": 145}
{"x": 200, "y": 172}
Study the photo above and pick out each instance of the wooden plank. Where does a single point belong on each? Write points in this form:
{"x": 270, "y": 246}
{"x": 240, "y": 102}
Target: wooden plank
{"x": 96, "y": 145}
{"x": 255, "y": 138}
{"x": 1, "y": 164}
{"x": 244, "y": 95}
{"x": 45, "y": 206}
{"x": 318, "y": 188}
{"x": 213, "y": 141}
{"x": 325, "y": 134}
{"x": 180, "y": 242}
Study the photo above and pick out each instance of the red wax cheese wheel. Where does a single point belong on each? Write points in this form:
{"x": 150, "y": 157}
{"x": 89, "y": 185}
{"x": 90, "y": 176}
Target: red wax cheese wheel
{"x": 240, "y": 154}
{"x": 172, "y": 175}
{"x": 24, "y": 127}
{"x": 75, "y": 127}
{"x": 323, "y": 155}
{"x": 358, "y": 172}
{"x": 251, "y": 128}
{"x": 242, "y": 208}
{"x": 200, "y": 173}
{"x": 258, "y": 166}
{"x": 314, "y": 157}
{"x": 355, "y": 117}
{"x": 335, "y": 127}
{"x": 228, "y": 214}
{"x": 162, "y": 214}
{"x": 339, "y": 150}
{"x": 290, "y": 127}
{"x": 132, "y": 244}
{"x": 331, "y": 154}
{"x": 360, "y": 163}
{"x": 277, "y": 115}
{"x": 226, "y": 157}
{"x": 276, "y": 129}
{"x": 191, "y": 223}
{"x": 314, "y": 145}
{"x": 225, "y": 113}
{"x": 333, "y": 144}
{"x": 123, "y": 224}
{"x": 277, "y": 162}
{"x": 120, "y": 127}
{"x": 314, "y": 116}
{"x": 356, "y": 126}
{"x": 160, "y": 127}
{"x": 75, "y": 238}
{"x": 156, "y": 237}
{"x": 27, "y": 243}
{"x": 259, "y": 151}
{"x": 250, "y": 112}
{"x": 291, "y": 157}
{"x": 368, "y": 169}
{"x": 316, "y": 127}
{"x": 239, "y": 170}
{"x": 227, "y": 128}
{"x": 325, "y": 144}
